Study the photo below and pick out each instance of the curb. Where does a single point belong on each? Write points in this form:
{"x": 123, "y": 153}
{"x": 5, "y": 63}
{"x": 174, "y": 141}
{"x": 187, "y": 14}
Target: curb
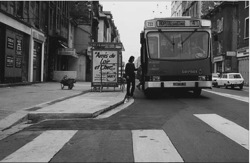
{"x": 38, "y": 117}
{"x": 25, "y": 117}
{"x": 17, "y": 84}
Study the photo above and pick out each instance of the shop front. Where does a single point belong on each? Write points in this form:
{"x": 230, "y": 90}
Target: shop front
{"x": 67, "y": 59}
{"x": 218, "y": 64}
{"x": 14, "y": 54}
{"x": 22, "y": 52}
{"x": 243, "y": 63}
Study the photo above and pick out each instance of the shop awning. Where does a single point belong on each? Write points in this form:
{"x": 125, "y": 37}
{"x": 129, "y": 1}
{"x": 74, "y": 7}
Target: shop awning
{"x": 62, "y": 44}
{"x": 68, "y": 52}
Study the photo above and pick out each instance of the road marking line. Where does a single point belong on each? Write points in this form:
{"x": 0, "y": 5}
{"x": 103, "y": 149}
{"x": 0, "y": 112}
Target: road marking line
{"x": 228, "y": 128}
{"x": 153, "y": 146}
{"x": 241, "y": 98}
{"x": 42, "y": 148}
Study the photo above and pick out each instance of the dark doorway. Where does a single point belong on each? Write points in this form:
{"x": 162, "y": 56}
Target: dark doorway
{"x": 37, "y": 61}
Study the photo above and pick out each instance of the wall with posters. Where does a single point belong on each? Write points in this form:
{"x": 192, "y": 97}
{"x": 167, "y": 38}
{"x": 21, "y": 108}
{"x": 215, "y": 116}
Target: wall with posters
{"x": 104, "y": 68}
{"x": 14, "y": 57}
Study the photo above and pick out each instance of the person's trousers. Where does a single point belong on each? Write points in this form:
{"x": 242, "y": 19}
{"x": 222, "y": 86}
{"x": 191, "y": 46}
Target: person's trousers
{"x": 130, "y": 86}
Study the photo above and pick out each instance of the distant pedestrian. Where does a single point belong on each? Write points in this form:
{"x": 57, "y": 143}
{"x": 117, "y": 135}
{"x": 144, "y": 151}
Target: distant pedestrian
{"x": 139, "y": 76}
{"x": 130, "y": 76}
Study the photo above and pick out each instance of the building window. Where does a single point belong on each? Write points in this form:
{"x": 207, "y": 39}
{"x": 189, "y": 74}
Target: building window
{"x": 19, "y": 8}
{"x": 246, "y": 4}
{"x": 58, "y": 23}
{"x": 246, "y": 33}
{"x": 36, "y": 16}
{"x": 4, "y": 5}
{"x": 12, "y": 7}
{"x": 219, "y": 25}
{"x": 105, "y": 32}
{"x": 26, "y": 7}
{"x": 51, "y": 14}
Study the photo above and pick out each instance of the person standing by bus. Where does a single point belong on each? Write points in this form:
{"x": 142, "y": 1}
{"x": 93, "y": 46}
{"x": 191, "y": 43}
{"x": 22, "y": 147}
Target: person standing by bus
{"x": 130, "y": 76}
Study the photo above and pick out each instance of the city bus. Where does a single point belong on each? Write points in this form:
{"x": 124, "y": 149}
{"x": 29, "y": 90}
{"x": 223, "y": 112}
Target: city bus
{"x": 176, "y": 53}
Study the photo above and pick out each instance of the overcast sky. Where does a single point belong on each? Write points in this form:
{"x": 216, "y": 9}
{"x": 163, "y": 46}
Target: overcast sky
{"x": 129, "y": 17}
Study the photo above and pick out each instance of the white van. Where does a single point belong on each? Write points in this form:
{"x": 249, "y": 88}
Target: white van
{"x": 230, "y": 79}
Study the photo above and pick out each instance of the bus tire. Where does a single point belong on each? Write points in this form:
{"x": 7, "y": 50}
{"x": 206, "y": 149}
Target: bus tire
{"x": 197, "y": 92}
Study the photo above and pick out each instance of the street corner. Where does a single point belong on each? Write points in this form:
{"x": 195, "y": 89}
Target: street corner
{"x": 87, "y": 105}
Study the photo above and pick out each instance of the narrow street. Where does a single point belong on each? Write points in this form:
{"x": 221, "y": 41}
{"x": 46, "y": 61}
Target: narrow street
{"x": 71, "y": 71}
{"x": 172, "y": 128}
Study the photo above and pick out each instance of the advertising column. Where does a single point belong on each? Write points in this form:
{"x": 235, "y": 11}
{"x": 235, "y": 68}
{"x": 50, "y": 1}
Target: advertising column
{"x": 105, "y": 68}
{"x": 105, "y": 64}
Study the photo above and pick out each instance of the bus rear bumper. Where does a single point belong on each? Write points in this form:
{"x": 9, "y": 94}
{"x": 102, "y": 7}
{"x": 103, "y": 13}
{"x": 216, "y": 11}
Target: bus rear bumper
{"x": 179, "y": 84}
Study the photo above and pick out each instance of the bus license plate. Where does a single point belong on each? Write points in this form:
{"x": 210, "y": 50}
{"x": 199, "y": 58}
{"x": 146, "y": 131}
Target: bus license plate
{"x": 179, "y": 84}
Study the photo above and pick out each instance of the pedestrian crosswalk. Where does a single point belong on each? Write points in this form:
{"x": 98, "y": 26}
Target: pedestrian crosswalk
{"x": 42, "y": 148}
{"x": 148, "y": 145}
{"x": 153, "y": 146}
{"x": 226, "y": 127}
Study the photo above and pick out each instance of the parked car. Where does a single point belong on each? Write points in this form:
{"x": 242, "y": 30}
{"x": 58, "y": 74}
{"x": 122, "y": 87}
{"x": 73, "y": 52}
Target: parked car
{"x": 215, "y": 76}
{"x": 230, "y": 79}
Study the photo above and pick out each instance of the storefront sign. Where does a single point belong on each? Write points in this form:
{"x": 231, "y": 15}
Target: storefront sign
{"x": 38, "y": 36}
{"x": 244, "y": 52}
{"x": 104, "y": 68}
{"x": 108, "y": 45}
{"x": 231, "y": 53}
{"x": 68, "y": 52}
{"x": 218, "y": 59}
{"x": 19, "y": 44}
{"x": 9, "y": 61}
{"x": 10, "y": 43}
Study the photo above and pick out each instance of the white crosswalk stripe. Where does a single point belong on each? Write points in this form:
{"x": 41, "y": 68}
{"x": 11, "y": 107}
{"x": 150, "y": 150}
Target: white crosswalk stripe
{"x": 153, "y": 146}
{"x": 42, "y": 148}
{"x": 226, "y": 127}
{"x": 147, "y": 145}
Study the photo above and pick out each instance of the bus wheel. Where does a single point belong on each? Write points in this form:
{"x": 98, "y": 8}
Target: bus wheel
{"x": 197, "y": 92}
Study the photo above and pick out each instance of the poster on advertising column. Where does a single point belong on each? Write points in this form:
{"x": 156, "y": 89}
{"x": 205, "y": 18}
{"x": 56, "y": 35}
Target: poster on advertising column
{"x": 105, "y": 68}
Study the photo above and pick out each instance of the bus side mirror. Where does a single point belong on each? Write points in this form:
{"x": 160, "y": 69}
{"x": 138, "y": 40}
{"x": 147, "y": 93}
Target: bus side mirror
{"x": 142, "y": 39}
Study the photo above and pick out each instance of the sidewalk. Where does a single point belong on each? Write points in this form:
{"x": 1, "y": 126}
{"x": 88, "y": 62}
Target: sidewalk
{"x": 41, "y": 101}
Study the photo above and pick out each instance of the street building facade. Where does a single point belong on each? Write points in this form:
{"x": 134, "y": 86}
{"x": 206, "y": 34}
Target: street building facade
{"x": 23, "y": 39}
{"x": 46, "y": 40}
{"x": 243, "y": 40}
{"x": 225, "y": 27}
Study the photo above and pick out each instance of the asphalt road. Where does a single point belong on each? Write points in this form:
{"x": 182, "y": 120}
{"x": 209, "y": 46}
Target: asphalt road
{"x": 174, "y": 127}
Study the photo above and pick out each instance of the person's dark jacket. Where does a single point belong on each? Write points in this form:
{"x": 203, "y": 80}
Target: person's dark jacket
{"x": 130, "y": 70}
